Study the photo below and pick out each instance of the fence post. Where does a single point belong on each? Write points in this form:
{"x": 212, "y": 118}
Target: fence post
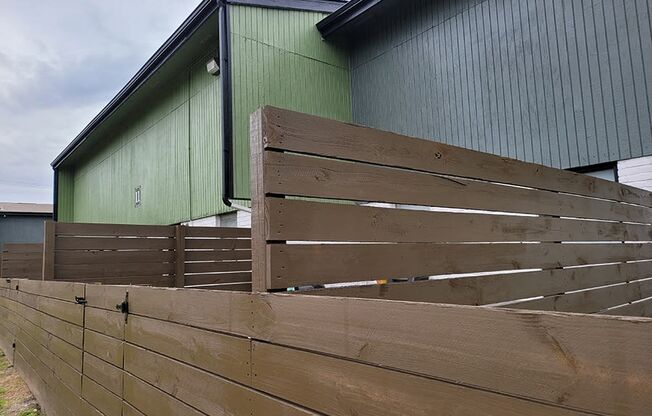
{"x": 259, "y": 272}
{"x": 49, "y": 236}
{"x": 180, "y": 256}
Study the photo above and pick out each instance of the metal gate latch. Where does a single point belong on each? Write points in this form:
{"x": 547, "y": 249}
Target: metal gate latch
{"x": 80, "y": 300}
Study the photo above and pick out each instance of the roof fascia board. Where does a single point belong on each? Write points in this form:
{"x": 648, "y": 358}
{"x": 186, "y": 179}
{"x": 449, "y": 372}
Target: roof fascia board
{"x": 345, "y": 15}
{"x": 326, "y": 6}
{"x": 160, "y": 57}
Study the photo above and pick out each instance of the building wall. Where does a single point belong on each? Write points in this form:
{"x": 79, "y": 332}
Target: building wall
{"x": 636, "y": 172}
{"x": 21, "y": 229}
{"x": 278, "y": 58}
{"x": 563, "y": 83}
{"x": 164, "y": 139}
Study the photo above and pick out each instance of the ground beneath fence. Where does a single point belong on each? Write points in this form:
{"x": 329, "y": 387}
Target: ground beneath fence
{"x": 15, "y": 397}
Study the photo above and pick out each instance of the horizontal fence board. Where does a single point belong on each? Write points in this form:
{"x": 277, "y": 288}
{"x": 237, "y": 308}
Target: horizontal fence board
{"x": 301, "y": 264}
{"x": 113, "y": 270}
{"x": 217, "y": 255}
{"x": 59, "y": 290}
{"x": 102, "y": 399}
{"x": 103, "y": 373}
{"x": 83, "y": 230}
{"x": 224, "y": 243}
{"x": 113, "y": 243}
{"x": 226, "y": 266}
{"x": 316, "y": 221}
{"x": 591, "y": 301}
{"x": 204, "y": 391}
{"x": 218, "y": 278}
{"x": 238, "y": 287}
{"x": 104, "y": 347}
{"x": 639, "y": 308}
{"x": 151, "y": 401}
{"x": 64, "y": 310}
{"x": 218, "y": 232}
{"x": 483, "y": 290}
{"x": 127, "y": 280}
{"x": 23, "y": 248}
{"x": 129, "y": 410}
{"x": 220, "y": 354}
{"x": 62, "y": 370}
{"x": 338, "y": 387}
{"x": 79, "y": 257}
{"x": 475, "y": 346}
{"x": 109, "y": 323}
{"x": 296, "y": 175}
{"x": 286, "y": 130}
{"x": 105, "y": 297}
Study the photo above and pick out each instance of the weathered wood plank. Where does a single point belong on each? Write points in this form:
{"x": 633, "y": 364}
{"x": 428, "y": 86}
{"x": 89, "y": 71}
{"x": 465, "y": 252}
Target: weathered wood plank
{"x": 301, "y": 264}
{"x": 488, "y": 289}
{"x": 103, "y": 373}
{"x": 71, "y": 257}
{"x": 152, "y": 401}
{"x": 217, "y": 255}
{"x": 114, "y": 243}
{"x": 220, "y": 354}
{"x": 104, "y": 347}
{"x": 315, "y": 221}
{"x": 127, "y": 230}
{"x": 639, "y": 308}
{"x": 297, "y": 175}
{"x": 79, "y": 271}
{"x": 223, "y": 243}
{"x": 111, "y": 323}
{"x": 221, "y": 266}
{"x": 218, "y": 232}
{"x": 218, "y": 278}
{"x": 102, "y": 399}
{"x": 57, "y": 290}
{"x": 287, "y": 130}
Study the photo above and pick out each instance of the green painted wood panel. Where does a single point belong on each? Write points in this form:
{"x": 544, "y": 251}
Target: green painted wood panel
{"x": 278, "y": 58}
{"x": 66, "y": 195}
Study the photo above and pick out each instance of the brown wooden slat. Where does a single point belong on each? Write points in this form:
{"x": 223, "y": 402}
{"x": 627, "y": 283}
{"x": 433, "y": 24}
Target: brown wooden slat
{"x": 591, "y": 301}
{"x": 152, "y": 401}
{"x": 221, "y": 354}
{"x": 113, "y": 243}
{"x": 112, "y": 270}
{"x": 488, "y": 289}
{"x": 110, "y": 323}
{"x": 104, "y": 347}
{"x": 287, "y": 130}
{"x": 82, "y": 229}
{"x": 103, "y": 373}
{"x": 224, "y": 243}
{"x": 164, "y": 281}
{"x": 222, "y": 266}
{"x": 70, "y": 257}
{"x": 102, "y": 399}
{"x": 217, "y": 278}
{"x": 236, "y": 287}
{"x": 309, "y": 380}
{"x": 640, "y": 308}
{"x": 217, "y": 255}
{"x": 301, "y": 264}
{"x": 316, "y": 221}
{"x": 297, "y": 175}
{"x": 23, "y": 248}
{"x": 63, "y": 291}
{"x": 221, "y": 232}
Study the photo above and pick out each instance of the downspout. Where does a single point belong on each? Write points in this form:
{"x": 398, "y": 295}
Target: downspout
{"x": 227, "y": 108}
{"x": 55, "y": 201}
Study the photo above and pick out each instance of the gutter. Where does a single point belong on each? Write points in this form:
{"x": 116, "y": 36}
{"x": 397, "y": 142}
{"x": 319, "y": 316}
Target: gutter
{"x": 335, "y": 22}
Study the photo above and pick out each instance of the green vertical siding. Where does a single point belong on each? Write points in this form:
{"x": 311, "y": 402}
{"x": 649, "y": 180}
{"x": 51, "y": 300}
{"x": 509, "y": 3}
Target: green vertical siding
{"x": 278, "y": 58}
{"x": 163, "y": 139}
{"x": 66, "y": 195}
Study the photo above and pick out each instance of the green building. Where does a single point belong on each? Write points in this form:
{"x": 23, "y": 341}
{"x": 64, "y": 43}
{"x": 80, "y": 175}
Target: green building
{"x": 553, "y": 82}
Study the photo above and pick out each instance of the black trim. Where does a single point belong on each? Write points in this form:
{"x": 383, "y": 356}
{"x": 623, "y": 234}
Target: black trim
{"x": 55, "y": 199}
{"x": 226, "y": 110}
{"x": 345, "y": 15}
{"x": 597, "y": 167}
{"x": 160, "y": 57}
{"x": 326, "y": 6}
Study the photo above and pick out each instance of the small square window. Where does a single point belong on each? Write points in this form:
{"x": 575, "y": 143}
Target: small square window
{"x": 137, "y": 196}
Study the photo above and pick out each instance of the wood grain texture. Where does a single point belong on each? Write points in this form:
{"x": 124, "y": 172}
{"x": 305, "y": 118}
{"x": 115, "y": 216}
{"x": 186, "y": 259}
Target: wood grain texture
{"x": 300, "y": 264}
{"x": 104, "y": 347}
{"x": 303, "y": 133}
{"x": 488, "y": 289}
{"x": 315, "y": 221}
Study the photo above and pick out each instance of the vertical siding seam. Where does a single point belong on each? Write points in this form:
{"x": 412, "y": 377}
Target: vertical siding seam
{"x": 631, "y": 66}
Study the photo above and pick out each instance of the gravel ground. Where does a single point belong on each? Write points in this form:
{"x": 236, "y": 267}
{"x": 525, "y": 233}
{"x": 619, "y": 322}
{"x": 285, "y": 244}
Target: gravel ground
{"x": 15, "y": 397}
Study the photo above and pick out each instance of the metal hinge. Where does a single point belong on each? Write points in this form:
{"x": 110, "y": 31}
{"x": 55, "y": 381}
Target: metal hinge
{"x": 124, "y": 306}
{"x": 80, "y": 300}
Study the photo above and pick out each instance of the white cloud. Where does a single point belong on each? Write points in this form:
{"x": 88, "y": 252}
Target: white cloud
{"x": 60, "y": 63}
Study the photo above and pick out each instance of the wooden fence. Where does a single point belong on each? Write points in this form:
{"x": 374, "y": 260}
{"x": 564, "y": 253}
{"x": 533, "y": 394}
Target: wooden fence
{"x": 207, "y": 257}
{"x": 21, "y": 261}
{"x": 196, "y": 352}
{"x": 542, "y": 233}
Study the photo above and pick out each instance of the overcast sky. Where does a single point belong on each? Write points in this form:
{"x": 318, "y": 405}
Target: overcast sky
{"x": 60, "y": 63}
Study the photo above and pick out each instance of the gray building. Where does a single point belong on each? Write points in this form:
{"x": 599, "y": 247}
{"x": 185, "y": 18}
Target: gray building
{"x": 563, "y": 83}
{"x": 22, "y": 223}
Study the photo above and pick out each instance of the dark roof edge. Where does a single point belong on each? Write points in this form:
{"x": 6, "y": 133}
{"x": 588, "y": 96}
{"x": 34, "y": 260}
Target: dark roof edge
{"x": 171, "y": 45}
{"x": 346, "y": 14}
{"x": 326, "y": 6}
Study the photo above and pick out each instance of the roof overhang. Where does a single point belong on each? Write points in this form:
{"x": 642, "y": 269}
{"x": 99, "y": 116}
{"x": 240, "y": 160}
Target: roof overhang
{"x": 354, "y": 11}
{"x": 201, "y": 13}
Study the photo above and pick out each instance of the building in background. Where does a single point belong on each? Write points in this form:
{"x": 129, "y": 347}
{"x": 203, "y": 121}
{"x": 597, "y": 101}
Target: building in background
{"x": 567, "y": 84}
{"x": 22, "y": 223}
